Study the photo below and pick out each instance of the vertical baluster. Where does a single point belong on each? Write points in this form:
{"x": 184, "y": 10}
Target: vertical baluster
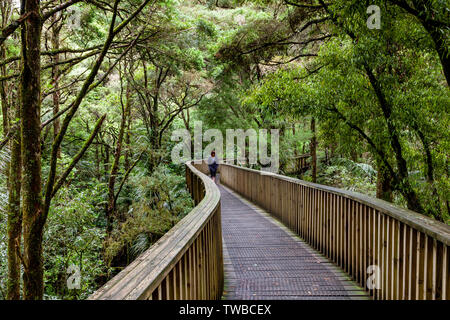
{"x": 202, "y": 266}
{"x": 374, "y": 238}
{"x": 445, "y": 273}
{"x": 195, "y": 281}
{"x": 396, "y": 260}
{"x": 436, "y": 265}
{"x": 332, "y": 208}
{"x": 420, "y": 265}
{"x": 406, "y": 262}
{"x": 315, "y": 217}
{"x": 341, "y": 232}
{"x": 380, "y": 240}
{"x": 365, "y": 248}
{"x": 387, "y": 258}
{"x": 346, "y": 235}
{"x": 358, "y": 243}
{"x": 160, "y": 292}
{"x": 330, "y": 235}
{"x": 413, "y": 264}
{"x": 176, "y": 285}
{"x": 369, "y": 248}
{"x": 319, "y": 220}
{"x": 360, "y": 253}
{"x": 429, "y": 262}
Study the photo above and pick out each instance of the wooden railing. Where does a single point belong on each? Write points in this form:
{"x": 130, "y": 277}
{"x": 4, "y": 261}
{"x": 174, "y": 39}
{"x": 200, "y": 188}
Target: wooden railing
{"x": 186, "y": 263}
{"x": 301, "y": 162}
{"x": 356, "y": 232}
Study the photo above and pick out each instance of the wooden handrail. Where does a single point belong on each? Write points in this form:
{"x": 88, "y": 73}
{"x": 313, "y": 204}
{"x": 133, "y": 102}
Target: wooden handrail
{"x": 356, "y": 232}
{"x": 186, "y": 263}
{"x": 302, "y": 156}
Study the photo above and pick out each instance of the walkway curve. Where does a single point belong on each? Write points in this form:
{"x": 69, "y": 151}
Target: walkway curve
{"x": 264, "y": 260}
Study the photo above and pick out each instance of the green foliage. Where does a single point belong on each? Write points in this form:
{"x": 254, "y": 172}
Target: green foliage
{"x": 4, "y": 160}
{"x": 73, "y": 236}
{"x": 230, "y": 64}
{"x": 345, "y": 174}
{"x": 207, "y": 28}
{"x": 3, "y": 254}
{"x": 161, "y": 200}
{"x": 341, "y": 95}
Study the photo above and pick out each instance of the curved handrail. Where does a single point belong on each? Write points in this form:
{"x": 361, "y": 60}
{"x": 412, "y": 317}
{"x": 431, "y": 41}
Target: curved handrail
{"x": 184, "y": 261}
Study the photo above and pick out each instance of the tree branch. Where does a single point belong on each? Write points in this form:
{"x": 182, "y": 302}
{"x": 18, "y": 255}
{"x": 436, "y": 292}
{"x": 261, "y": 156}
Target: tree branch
{"x": 126, "y": 176}
{"x": 9, "y": 30}
{"x": 79, "y": 155}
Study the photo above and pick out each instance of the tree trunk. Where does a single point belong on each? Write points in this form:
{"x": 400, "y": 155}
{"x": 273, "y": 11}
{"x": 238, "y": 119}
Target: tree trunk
{"x": 33, "y": 222}
{"x": 110, "y": 213}
{"x": 14, "y": 217}
{"x": 128, "y": 140}
{"x": 5, "y": 16}
{"x": 97, "y": 159}
{"x": 5, "y": 8}
{"x": 56, "y": 28}
{"x": 353, "y": 155}
{"x": 14, "y": 178}
{"x": 3, "y": 95}
{"x": 401, "y": 179}
{"x": 106, "y": 161}
{"x": 429, "y": 174}
{"x": 384, "y": 183}
{"x": 333, "y": 150}
{"x": 437, "y": 35}
{"x": 314, "y": 150}
{"x": 154, "y": 137}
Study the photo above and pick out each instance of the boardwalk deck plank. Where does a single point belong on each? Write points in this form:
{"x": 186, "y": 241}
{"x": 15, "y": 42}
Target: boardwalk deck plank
{"x": 264, "y": 260}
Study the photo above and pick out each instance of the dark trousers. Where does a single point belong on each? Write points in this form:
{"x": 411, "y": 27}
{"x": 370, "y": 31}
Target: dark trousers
{"x": 213, "y": 169}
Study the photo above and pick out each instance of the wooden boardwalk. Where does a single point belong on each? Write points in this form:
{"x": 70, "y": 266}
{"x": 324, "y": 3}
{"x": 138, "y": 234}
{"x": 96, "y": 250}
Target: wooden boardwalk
{"x": 264, "y": 260}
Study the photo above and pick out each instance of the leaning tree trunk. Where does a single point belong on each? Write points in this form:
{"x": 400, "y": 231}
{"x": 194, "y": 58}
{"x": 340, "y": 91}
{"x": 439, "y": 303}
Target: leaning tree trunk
{"x": 3, "y": 92}
{"x": 154, "y": 137}
{"x": 30, "y": 91}
{"x": 127, "y": 163}
{"x": 56, "y": 28}
{"x": 111, "y": 209}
